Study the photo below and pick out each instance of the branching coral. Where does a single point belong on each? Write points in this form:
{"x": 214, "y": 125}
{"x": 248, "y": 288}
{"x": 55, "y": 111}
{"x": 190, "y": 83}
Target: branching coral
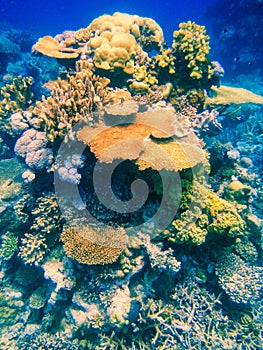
{"x": 241, "y": 282}
{"x": 71, "y": 100}
{"x": 33, "y": 249}
{"x": 46, "y": 215}
{"x": 8, "y": 246}
{"x": 14, "y": 96}
{"x": 191, "y": 48}
{"x": 94, "y": 246}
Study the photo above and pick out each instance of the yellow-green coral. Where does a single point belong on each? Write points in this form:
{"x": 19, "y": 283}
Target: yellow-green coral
{"x": 191, "y": 44}
{"x": 203, "y": 212}
{"x": 225, "y": 219}
{"x": 8, "y": 246}
{"x": 166, "y": 60}
{"x": 14, "y": 96}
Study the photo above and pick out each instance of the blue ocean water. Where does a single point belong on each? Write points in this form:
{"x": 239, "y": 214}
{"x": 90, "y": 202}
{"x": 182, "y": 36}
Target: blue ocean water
{"x": 80, "y": 268}
{"x": 52, "y": 17}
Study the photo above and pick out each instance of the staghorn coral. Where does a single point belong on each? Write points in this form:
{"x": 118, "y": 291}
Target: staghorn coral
{"x": 71, "y": 100}
{"x": 242, "y": 283}
{"x": 94, "y": 246}
{"x": 206, "y": 123}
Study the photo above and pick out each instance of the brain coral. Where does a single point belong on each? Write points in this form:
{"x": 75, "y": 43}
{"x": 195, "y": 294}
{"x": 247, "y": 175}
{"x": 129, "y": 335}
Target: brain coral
{"x": 94, "y": 246}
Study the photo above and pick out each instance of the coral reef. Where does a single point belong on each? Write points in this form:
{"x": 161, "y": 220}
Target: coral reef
{"x": 131, "y": 193}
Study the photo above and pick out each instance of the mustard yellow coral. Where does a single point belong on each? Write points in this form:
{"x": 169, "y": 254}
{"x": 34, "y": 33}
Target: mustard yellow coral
{"x": 88, "y": 245}
{"x": 191, "y": 45}
{"x": 14, "y": 96}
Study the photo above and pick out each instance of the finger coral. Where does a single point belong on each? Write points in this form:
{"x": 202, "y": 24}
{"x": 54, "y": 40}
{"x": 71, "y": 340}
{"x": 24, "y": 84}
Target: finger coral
{"x": 71, "y": 100}
{"x": 32, "y": 249}
{"x": 191, "y": 48}
{"x": 14, "y": 96}
{"x": 94, "y": 246}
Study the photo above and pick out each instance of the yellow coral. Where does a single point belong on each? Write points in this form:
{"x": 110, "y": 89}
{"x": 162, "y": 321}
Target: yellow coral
{"x": 71, "y": 100}
{"x": 134, "y": 142}
{"x": 226, "y": 94}
{"x": 14, "y": 96}
{"x": 191, "y": 43}
{"x": 94, "y": 246}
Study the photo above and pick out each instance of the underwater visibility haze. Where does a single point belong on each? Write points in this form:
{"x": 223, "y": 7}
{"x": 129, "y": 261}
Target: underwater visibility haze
{"x": 131, "y": 201}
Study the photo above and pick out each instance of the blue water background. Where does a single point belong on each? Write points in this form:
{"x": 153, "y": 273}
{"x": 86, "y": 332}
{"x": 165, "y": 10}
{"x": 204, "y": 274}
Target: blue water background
{"x": 53, "y": 17}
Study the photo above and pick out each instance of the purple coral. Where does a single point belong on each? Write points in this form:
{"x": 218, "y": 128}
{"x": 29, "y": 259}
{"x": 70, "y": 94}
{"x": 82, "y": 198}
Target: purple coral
{"x": 32, "y": 146}
{"x": 68, "y": 172}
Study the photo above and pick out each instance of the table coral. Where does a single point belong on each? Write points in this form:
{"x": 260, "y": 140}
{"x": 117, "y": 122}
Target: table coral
{"x": 149, "y": 152}
{"x": 94, "y": 246}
